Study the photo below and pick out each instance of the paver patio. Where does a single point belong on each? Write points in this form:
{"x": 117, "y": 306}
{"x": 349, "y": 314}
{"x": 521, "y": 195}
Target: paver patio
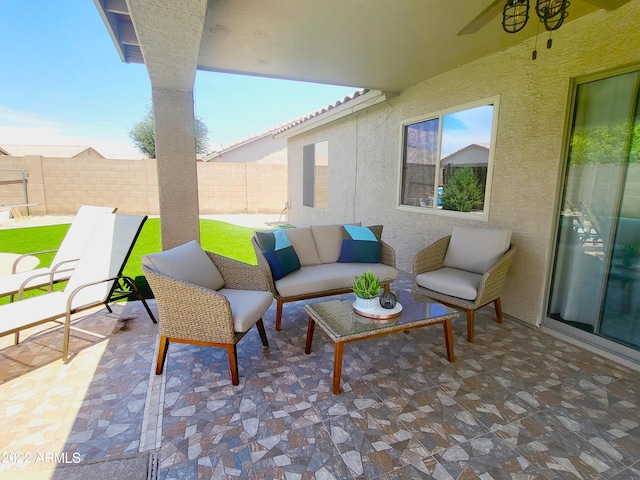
{"x": 516, "y": 404}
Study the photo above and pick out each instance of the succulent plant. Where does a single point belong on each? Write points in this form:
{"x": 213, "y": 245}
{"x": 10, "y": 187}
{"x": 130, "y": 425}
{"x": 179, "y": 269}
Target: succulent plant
{"x": 366, "y": 285}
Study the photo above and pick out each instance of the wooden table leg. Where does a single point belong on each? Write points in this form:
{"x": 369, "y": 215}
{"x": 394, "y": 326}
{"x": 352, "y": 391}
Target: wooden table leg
{"x": 448, "y": 339}
{"x": 337, "y": 367}
{"x": 310, "y": 329}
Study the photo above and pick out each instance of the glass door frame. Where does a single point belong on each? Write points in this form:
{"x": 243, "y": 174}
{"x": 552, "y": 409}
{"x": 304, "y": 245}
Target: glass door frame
{"x": 550, "y": 325}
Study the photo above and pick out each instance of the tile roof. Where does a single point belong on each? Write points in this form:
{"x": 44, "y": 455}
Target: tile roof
{"x": 320, "y": 111}
{"x": 288, "y": 125}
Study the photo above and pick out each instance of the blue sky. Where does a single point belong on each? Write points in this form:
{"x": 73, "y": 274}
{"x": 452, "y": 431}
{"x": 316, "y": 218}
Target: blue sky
{"x": 62, "y": 83}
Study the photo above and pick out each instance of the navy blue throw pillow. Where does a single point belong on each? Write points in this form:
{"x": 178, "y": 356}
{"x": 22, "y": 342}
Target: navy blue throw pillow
{"x": 360, "y": 244}
{"x": 279, "y": 252}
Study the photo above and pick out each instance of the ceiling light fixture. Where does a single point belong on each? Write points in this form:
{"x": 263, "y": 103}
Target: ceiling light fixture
{"x": 551, "y": 13}
{"x": 515, "y": 15}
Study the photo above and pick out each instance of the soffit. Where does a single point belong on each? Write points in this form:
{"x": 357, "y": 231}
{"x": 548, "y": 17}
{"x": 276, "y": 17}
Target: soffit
{"x": 376, "y": 44}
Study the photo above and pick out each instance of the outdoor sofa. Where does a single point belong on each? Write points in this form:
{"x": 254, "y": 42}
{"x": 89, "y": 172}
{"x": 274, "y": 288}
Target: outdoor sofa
{"x": 321, "y": 260}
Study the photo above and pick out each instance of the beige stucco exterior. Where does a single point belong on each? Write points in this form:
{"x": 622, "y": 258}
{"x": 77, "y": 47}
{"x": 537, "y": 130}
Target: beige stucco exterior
{"x": 364, "y": 148}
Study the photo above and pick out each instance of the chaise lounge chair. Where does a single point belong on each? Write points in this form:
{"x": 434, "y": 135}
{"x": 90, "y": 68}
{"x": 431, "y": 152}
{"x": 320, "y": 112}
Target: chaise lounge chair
{"x": 97, "y": 279}
{"x": 65, "y": 259}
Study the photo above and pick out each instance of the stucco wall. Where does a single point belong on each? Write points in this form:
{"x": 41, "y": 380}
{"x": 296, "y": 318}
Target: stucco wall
{"x": 364, "y": 149}
{"x": 61, "y": 185}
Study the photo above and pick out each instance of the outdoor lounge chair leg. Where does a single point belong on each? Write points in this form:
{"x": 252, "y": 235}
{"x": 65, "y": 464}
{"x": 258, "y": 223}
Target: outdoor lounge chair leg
{"x": 498, "y": 306}
{"x": 136, "y": 290}
{"x": 279, "y": 304}
{"x": 146, "y": 306}
{"x": 108, "y": 308}
{"x": 163, "y": 348}
{"x": 65, "y": 341}
{"x": 263, "y": 334}
{"x": 470, "y": 320}
{"x": 16, "y": 338}
{"x": 233, "y": 363}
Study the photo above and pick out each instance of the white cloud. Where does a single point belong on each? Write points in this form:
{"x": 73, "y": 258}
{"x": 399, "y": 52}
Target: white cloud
{"x": 24, "y": 128}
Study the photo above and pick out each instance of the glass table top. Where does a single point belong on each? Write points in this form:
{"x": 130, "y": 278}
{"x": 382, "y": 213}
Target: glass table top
{"x": 338, "y": 319}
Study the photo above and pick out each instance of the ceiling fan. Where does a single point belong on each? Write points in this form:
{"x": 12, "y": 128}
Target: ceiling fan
{"x": 496, "y": 6}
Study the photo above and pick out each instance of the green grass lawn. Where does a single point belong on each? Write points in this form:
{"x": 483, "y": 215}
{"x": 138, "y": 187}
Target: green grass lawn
{"x": 220, "y": 237}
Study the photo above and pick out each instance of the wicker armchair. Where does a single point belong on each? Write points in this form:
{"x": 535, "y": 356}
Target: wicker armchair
{"x": 466, "y": 290}
{"x": 206, "y": 299}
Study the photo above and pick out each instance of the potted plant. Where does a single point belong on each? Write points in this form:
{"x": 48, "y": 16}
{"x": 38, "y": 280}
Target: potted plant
{"x": 367, "y": 288}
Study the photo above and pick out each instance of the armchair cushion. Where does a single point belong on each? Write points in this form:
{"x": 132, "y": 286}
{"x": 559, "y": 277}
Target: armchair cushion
{"x": 451, "y": 281}
{"x": 188, "y": 263}
{"x": 360, "y": 244}
{"x": 247, "y": 306}
{"x": 476, "y": 249}
{"x": 279, "y": 252}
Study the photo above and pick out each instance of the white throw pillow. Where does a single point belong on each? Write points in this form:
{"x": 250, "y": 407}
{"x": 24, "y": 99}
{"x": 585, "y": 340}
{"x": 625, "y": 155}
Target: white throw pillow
{"x": 188, "y": 263}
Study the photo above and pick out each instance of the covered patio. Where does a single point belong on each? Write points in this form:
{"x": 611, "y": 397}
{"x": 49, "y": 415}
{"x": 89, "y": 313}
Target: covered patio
{"x": 516, "y": 404}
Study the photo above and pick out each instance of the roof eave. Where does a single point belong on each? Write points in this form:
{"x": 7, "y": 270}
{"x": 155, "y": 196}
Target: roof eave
{"x": 366, "y": 100}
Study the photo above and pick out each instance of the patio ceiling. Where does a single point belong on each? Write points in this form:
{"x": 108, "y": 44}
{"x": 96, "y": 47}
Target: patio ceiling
{"x": 377, "y": 44}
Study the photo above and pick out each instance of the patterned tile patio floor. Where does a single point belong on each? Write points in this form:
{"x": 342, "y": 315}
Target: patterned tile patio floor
{"x": 516, "y": 404}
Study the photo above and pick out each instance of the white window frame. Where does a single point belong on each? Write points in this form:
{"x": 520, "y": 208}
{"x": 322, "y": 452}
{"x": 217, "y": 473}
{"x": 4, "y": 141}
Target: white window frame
{"x": 478, "y": 216}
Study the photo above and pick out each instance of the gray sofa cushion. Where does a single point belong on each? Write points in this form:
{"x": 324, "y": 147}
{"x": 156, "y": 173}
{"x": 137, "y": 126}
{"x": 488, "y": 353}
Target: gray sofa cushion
{"x": 451, "y": 281}
{"x": 247, "y": 306}
{"x": 305, "y": 246}
{"x": 188, "y": 263}
{"x": 325, "y": 277}
{"x": 476, "y": 249}
{"x": 328, "y": 239}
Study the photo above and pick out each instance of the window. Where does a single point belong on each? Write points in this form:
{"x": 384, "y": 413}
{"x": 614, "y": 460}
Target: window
{"x": 315, "y": 180}
{"x": 447, "y": 160}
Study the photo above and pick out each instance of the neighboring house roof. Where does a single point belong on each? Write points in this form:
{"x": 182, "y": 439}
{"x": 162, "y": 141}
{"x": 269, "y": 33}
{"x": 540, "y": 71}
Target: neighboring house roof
{"x": 59, "y": 151}
{"x": 473, "y": 154}
{"x": 243, "y": 142}
{"x": 278, "y": 129}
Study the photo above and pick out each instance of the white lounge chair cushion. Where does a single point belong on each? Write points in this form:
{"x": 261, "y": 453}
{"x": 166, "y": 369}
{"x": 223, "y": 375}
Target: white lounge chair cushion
{"x": 74, "y": 243}
{"x": 452, "y": 282}
{"x": 10, "y": 284}
{"x": 332, "y": 276}
{"x": 188, "y": 263}
{"x": 32, "y": 311}
{"x": 79, "y": 233}
{"x": 305, "y": 246}
{"x": 476, "y": 249}
{"x": 247, "y": 306}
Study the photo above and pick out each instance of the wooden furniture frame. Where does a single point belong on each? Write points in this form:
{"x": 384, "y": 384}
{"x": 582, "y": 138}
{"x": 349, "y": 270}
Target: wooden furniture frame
{"x": 342, "y": 325}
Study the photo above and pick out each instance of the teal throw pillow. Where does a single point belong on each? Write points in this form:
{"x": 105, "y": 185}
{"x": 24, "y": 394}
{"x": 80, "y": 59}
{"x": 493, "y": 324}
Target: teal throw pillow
{"x": 360, "y": 244}
{"x": 279, "y": 252}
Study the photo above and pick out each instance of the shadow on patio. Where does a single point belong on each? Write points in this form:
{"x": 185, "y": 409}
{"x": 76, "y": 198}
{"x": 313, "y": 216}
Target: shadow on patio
{"x": 516, "y": 404}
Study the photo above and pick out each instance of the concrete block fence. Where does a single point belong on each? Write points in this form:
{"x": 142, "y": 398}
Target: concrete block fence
{"x": 59, "y": 186}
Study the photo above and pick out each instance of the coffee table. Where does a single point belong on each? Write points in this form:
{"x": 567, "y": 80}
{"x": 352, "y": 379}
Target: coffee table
{"x": 339, "y": 321}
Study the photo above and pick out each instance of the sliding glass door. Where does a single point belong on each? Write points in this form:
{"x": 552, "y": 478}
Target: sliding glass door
{"x": 596, "y": 277}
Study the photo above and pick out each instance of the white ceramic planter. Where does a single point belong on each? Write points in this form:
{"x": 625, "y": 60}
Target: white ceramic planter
{"x": 366, "y": 303}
